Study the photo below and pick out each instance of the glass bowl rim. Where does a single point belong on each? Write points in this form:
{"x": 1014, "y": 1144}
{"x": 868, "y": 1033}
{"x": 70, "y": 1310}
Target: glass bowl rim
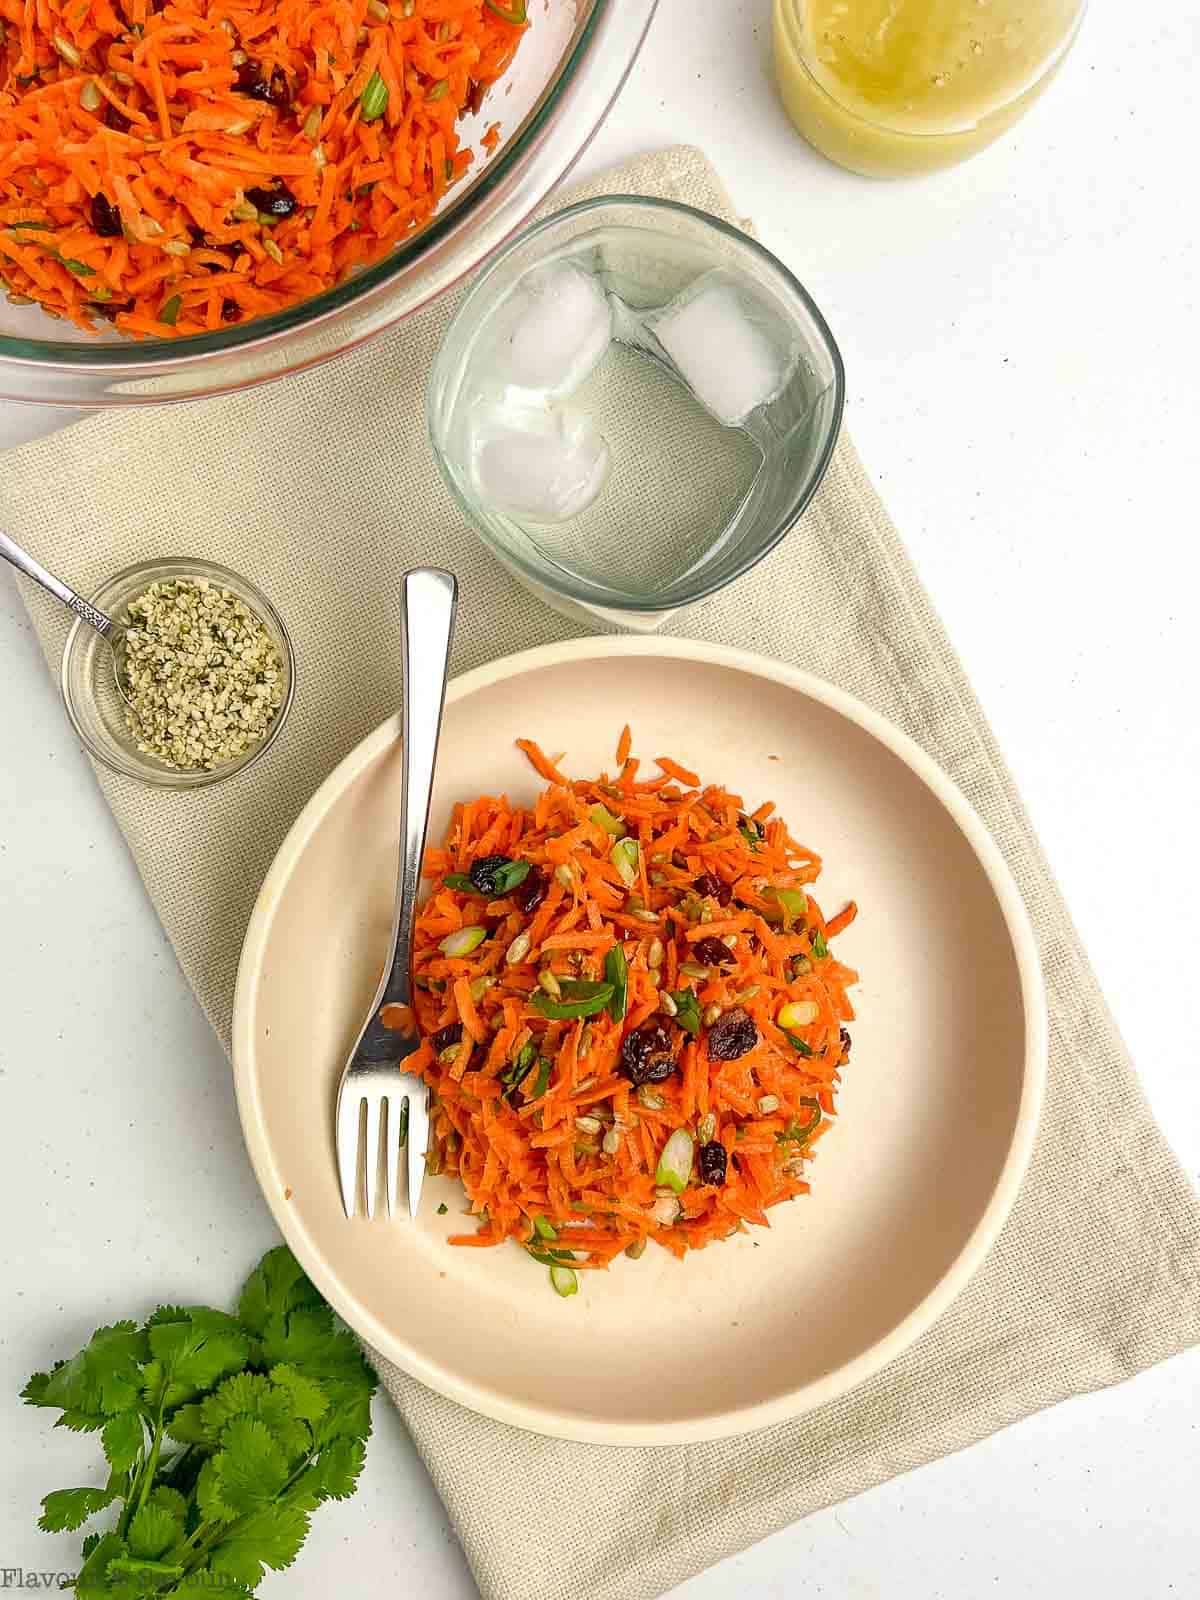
{"x": 173, "y": 777}
{"x": 786, "y": 11}
{"x": 166, "y": 354}
{"x": 797, "y": 503}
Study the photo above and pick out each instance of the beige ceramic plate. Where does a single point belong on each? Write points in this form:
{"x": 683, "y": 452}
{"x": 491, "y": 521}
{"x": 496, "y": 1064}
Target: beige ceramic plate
{"x": 938, "y": 1108}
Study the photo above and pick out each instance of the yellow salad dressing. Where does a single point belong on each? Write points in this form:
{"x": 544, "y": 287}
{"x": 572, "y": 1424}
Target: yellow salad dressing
{"x": 888, "y": 87}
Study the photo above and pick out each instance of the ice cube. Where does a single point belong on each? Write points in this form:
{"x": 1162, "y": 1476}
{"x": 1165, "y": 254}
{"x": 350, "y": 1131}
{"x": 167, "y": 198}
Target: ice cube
{"x": 552, "y": 332}
{"x": 544, "y": 466}
{"x": 728, "y": 344}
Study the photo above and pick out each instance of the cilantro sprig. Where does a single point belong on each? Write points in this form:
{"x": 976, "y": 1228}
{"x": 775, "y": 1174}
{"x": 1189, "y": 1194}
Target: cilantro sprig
{"x": 222, "y": 1434}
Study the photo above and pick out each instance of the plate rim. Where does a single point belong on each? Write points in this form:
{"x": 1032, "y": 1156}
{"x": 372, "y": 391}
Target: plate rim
{"x": 727, "y": 1423}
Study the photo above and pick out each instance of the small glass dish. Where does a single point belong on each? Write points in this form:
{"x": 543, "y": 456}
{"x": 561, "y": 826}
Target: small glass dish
{"x": 90, "y": 693}
{"x": 689, "y": 504}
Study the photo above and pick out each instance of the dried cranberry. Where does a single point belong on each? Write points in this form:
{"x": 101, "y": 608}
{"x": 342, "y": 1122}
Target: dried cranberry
{"x": 276, "y": 202}
{"x": 105, "y": 218}
{"x": 230, "y": 311}
{"x": 475, "y": 94}
{"x": 713, "y": 1162}
{"x": 442, "y": 1040}
{"x": 647, "y": 1055}
{"x": 532, "y": 892}
{"x": 483, "y": 873}
{"x": 112, "y": 118}
{"x": 712, "y": 952}
{"x": 731, "y": 1036}
{"x": 715, "y": 888}
{"x": 273, "y": 88}
{"x": 844, "y": 1037}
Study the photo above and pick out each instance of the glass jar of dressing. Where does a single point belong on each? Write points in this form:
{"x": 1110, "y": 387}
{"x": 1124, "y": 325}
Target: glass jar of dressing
{"x": 890, "y": 88}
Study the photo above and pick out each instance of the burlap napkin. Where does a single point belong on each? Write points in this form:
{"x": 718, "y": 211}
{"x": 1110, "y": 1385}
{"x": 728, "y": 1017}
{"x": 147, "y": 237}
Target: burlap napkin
{"x": 322, "y": 489}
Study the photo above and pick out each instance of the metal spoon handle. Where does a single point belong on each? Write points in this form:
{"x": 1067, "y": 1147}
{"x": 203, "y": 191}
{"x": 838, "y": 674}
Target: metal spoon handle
{"x": 24, "y": 562}
{"x": 430, "y": 599}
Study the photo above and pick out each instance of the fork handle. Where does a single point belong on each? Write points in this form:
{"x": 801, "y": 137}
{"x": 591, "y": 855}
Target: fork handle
{"x": 429, "y": 599}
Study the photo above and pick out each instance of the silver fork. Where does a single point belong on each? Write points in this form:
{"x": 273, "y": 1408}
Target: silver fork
{"x": 374, "y": 1086}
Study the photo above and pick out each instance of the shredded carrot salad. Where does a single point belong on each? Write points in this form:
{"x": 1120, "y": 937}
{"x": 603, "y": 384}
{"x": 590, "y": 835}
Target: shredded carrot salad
{"x": 632, "y": 1021}
{"x": 174, "y": 168}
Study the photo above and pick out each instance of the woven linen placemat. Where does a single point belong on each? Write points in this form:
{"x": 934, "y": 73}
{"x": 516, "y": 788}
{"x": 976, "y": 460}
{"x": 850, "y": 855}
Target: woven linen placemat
{"x": 321, "y": 487}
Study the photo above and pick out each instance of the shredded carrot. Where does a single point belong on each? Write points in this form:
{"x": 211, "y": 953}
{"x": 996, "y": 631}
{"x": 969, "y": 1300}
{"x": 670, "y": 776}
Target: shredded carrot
{"x": 538, "y": 1109}
{"x": 293, "y": 143}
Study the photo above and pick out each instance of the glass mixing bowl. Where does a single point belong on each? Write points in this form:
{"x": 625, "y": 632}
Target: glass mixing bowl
{"x": 567, "y": 73}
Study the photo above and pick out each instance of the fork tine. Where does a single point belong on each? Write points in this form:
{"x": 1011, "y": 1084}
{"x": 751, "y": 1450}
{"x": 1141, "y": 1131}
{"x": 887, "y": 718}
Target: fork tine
{"x": 371, "y": 1162}
{"x": 349, "y": 1108}
{"x": 418, "y": 1142}
{"x": 391, "y": 1151}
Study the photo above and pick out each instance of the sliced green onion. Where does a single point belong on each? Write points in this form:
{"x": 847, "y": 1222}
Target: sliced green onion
{"x": 675, "y": 1163}
{"x": 514, "y": 14}
{"x": 170, "y": 311}
{"x": 82, "y": 271}
{"x": 564, "y": 1281}
{"x": 580, "y": 998}
{"x": 544, "y": 1229}
{"x": 616, "y": 970}
{"x": 39, "y": 227}
{"x": 624, "y": 856}
{"x": 442, "y": 1209}
{"x": 521, "y": 1064}
{"x": 793, "y": 902}
{"x": 511, "y": 876}
{"x": 819, "y": 948}
{"x": 797, "y": 1043}
{"x": 799, "y": 1133}
{"x": 752, "y": 832}
{"x": 687, "y": 1011}
{"x": 440, "y": 89}
{"x": 462, "y": 941}
{"x": 460, "y": 881}
{"x": 603, "y": 818}
{"x": 542, "y": 1083}
{"x": 374, "y": 98}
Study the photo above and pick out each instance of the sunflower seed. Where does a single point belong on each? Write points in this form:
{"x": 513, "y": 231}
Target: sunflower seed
{"x": 645, "y": 916}
{"x": 655, "y": 955}
{"x": 90, "y": 97}
{"x": 564, "y": 875}
{"x": 650, "y": 1098}
{"x": 711, "y": 1014}
{"x": 585, "y": 1040}
{"x": 549, "y": 983}
{"x": 768, "y": 1103}
{"x": 588, "y": 1125}
{"x": 518, "y": 950}
{"x": 693, "y": 969}
{"x": 706, "y": 1128}
{"x": 746, "y": 994}
{"x": 66, "y": 50}
{"x": 667, "y": 1001}
{"x": 273, "y": 250}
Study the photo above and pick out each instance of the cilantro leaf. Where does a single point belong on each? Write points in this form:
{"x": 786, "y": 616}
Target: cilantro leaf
{"x": 122, "y": 1439}
{"x": 334, "y": 1473}
{"x": 170, "y": 1500}
{"x": 90, "y": 1542}
{"x": 307, "y": 1397}
{"x": 34, "y": 1392}
{"x": 271, "y": 1538}
{"x": 251, "y": 1394}
{"x": 187, "y": 1425}
{"x": 251, "y": 1467}
{"x": 64, "y": 1509}
{"x": 191, "y": 1355}
{"x": 81, "y": 1421}
{"x": 153, "y": 1531}
{"x": 208, "y": 1494}
{"x": 276, "y": 1286}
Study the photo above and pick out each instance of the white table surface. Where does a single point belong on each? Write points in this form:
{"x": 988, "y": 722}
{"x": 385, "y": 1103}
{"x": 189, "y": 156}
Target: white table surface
{"x": 1022, "y": 345}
